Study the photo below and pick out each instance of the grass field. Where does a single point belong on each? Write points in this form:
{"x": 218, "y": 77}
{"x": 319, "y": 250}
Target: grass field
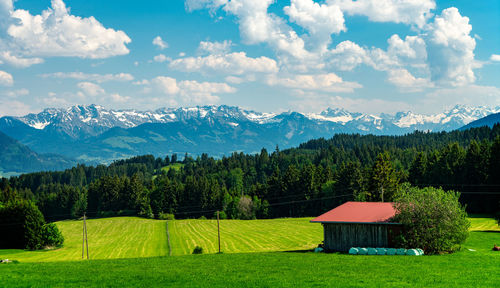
{"x": 279, "y": 269}
{"x": 244, "y": 235}
{"x": 131, "y": 237}
{"x": 120, "y": 237}
{"x": 475, "y": 266}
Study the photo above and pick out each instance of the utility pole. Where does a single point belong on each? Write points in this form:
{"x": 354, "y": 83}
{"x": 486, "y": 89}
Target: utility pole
{"x": 218, "y": 229}
{"x": 83, "y": 236}
{"x": 85, "y": 239}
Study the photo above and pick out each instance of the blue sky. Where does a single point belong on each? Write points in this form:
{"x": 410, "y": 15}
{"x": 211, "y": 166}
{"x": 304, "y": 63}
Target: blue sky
{"x": 369, "y": 56}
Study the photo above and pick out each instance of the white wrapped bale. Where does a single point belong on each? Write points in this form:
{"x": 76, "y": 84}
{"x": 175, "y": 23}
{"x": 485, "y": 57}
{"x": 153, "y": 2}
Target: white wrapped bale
{"x": 353, "y": 251}
{"x": 412, "y": 252}
{"x": 401, "y": 251}
{"x": 391, "y": 251}
{"x": 420, "y": 251}
{"x": 372, "y": 251}
{"x": 362, "y": 251}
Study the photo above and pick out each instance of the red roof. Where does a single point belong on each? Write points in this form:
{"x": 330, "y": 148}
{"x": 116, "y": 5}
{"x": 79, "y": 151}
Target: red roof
{"x": 358, "y": 212}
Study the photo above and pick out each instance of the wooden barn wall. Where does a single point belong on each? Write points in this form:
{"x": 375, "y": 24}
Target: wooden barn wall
{"x": 341, "y": 237}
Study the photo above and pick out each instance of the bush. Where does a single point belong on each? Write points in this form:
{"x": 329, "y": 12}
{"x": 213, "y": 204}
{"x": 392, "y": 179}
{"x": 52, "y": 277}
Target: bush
{"x": 166, "y": 216}
{"x": 202, "y": 218}
{"x": 51, "y": 236}
{"x": 198, "y": 250}
{"x": 23, "y": 226}
{"x": 432, "y": 219}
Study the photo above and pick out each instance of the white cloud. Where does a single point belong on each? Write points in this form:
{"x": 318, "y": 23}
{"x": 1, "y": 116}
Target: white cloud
{"x": 190, "y": 91}
{"x": 167, "y": 85}
{"x": 6, "y": 79}
{"x": 317, "y": 102}
{"x": 192, "y": 5}
{"x": 320, "y": 20}
{"x": 495, "y": 57}
{"x": 320, "y": 82}
{"x": 161, "y": 58}
{"x": 99, "y": 78}
{"x": 17, "y": 93}
{"x": 411, "y": 50}
{"x": 14, "y": 107}
{"x": 217, "y": 48}
{"x": 20, "y": 62}
{"x": 115, "y": 97}
{"x": 91, "y": 89}
{"x": 56, "y": 33}
{"x": 404, "y": 79}
{"x": 160, "y": 43}
{"x": 257, "y": 25}
{"x": 472, "y": 95}
{"x": 347, "y": 55}
{"x": 236, "y": 63}
{"x": 414, "y": 12}
{"x": 450, "y": 49}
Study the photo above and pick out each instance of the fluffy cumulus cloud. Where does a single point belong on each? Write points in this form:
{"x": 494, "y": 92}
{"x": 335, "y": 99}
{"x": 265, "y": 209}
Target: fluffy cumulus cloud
{"x": 91, "y": 89}
{"x": 6, "y": 79}
{"x": 404, "y": 79}
{"x": 53, "y": 33}
{"x": 160, "y": 58}
{"x": 495, "y": 57}
{"x": 320, "y": 20}
{"x": 450, "y": 49}
{"x": 217, "y": 48}
{"x": 189, "y": 91}
{"x": 99, "y": 78}
{"x": 414, "y": 12}
{"x": 320, "y": 82}
{"x": 256, "y": 25}
{"x": 157, "y": 41}
{"x": 235, "y": 63}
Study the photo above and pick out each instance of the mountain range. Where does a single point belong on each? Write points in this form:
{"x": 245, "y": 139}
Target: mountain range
{"x": 93, "y": 134}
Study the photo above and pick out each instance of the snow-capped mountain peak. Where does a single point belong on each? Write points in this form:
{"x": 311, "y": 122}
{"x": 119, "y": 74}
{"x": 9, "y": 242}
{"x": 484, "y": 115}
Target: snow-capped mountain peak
{"x": 91, "y": 120}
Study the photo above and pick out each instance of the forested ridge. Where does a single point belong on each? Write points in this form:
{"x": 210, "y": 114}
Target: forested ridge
{"x": 302, "y": 181}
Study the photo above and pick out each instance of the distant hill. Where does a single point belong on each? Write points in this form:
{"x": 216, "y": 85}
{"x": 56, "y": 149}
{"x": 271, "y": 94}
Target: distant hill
{"x": 489, "y": 121}
{"x": 17, "y": 158}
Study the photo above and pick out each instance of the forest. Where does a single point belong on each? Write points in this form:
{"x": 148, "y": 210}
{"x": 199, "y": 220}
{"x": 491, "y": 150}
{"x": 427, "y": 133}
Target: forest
{"x": 304, "y": 181}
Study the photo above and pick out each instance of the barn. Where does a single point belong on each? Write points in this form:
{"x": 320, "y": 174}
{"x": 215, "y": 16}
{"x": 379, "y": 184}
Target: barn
{"x": 359, "y": 224}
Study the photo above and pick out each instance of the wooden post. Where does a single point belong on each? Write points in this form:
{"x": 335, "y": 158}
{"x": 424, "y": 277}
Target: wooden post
{"x": 86, "y": 238}
{"x": 83, "y": 236}
{"x": 218, "y": 229}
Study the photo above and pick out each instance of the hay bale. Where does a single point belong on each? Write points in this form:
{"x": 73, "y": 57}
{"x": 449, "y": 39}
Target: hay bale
{"x": 353, "y": 251}
{"x": 412, "y": 252}
{"x": 401, "y": 251}
{"x": 391, "y": 251}
{"x": 362, "y": 251}
{"x": 372, "y": 251}
{"x": 381, "y": 251}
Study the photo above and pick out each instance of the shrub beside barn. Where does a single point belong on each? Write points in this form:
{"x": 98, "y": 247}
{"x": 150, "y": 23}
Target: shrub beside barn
{"x": 359, "y": 224}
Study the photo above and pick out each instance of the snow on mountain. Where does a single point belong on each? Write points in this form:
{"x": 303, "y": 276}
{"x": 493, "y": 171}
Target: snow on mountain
{"x": 85, "y": 121}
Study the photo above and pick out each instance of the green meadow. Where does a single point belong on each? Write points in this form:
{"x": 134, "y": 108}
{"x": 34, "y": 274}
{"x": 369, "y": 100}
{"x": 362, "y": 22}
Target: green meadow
{"x": 140, "y": 240}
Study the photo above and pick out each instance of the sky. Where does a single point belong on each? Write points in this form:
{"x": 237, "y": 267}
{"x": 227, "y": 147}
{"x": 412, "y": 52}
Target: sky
{"x": 370, "y": 56}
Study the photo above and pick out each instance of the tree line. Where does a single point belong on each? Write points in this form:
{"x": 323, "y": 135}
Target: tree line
{"x": 304, "y": 181}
